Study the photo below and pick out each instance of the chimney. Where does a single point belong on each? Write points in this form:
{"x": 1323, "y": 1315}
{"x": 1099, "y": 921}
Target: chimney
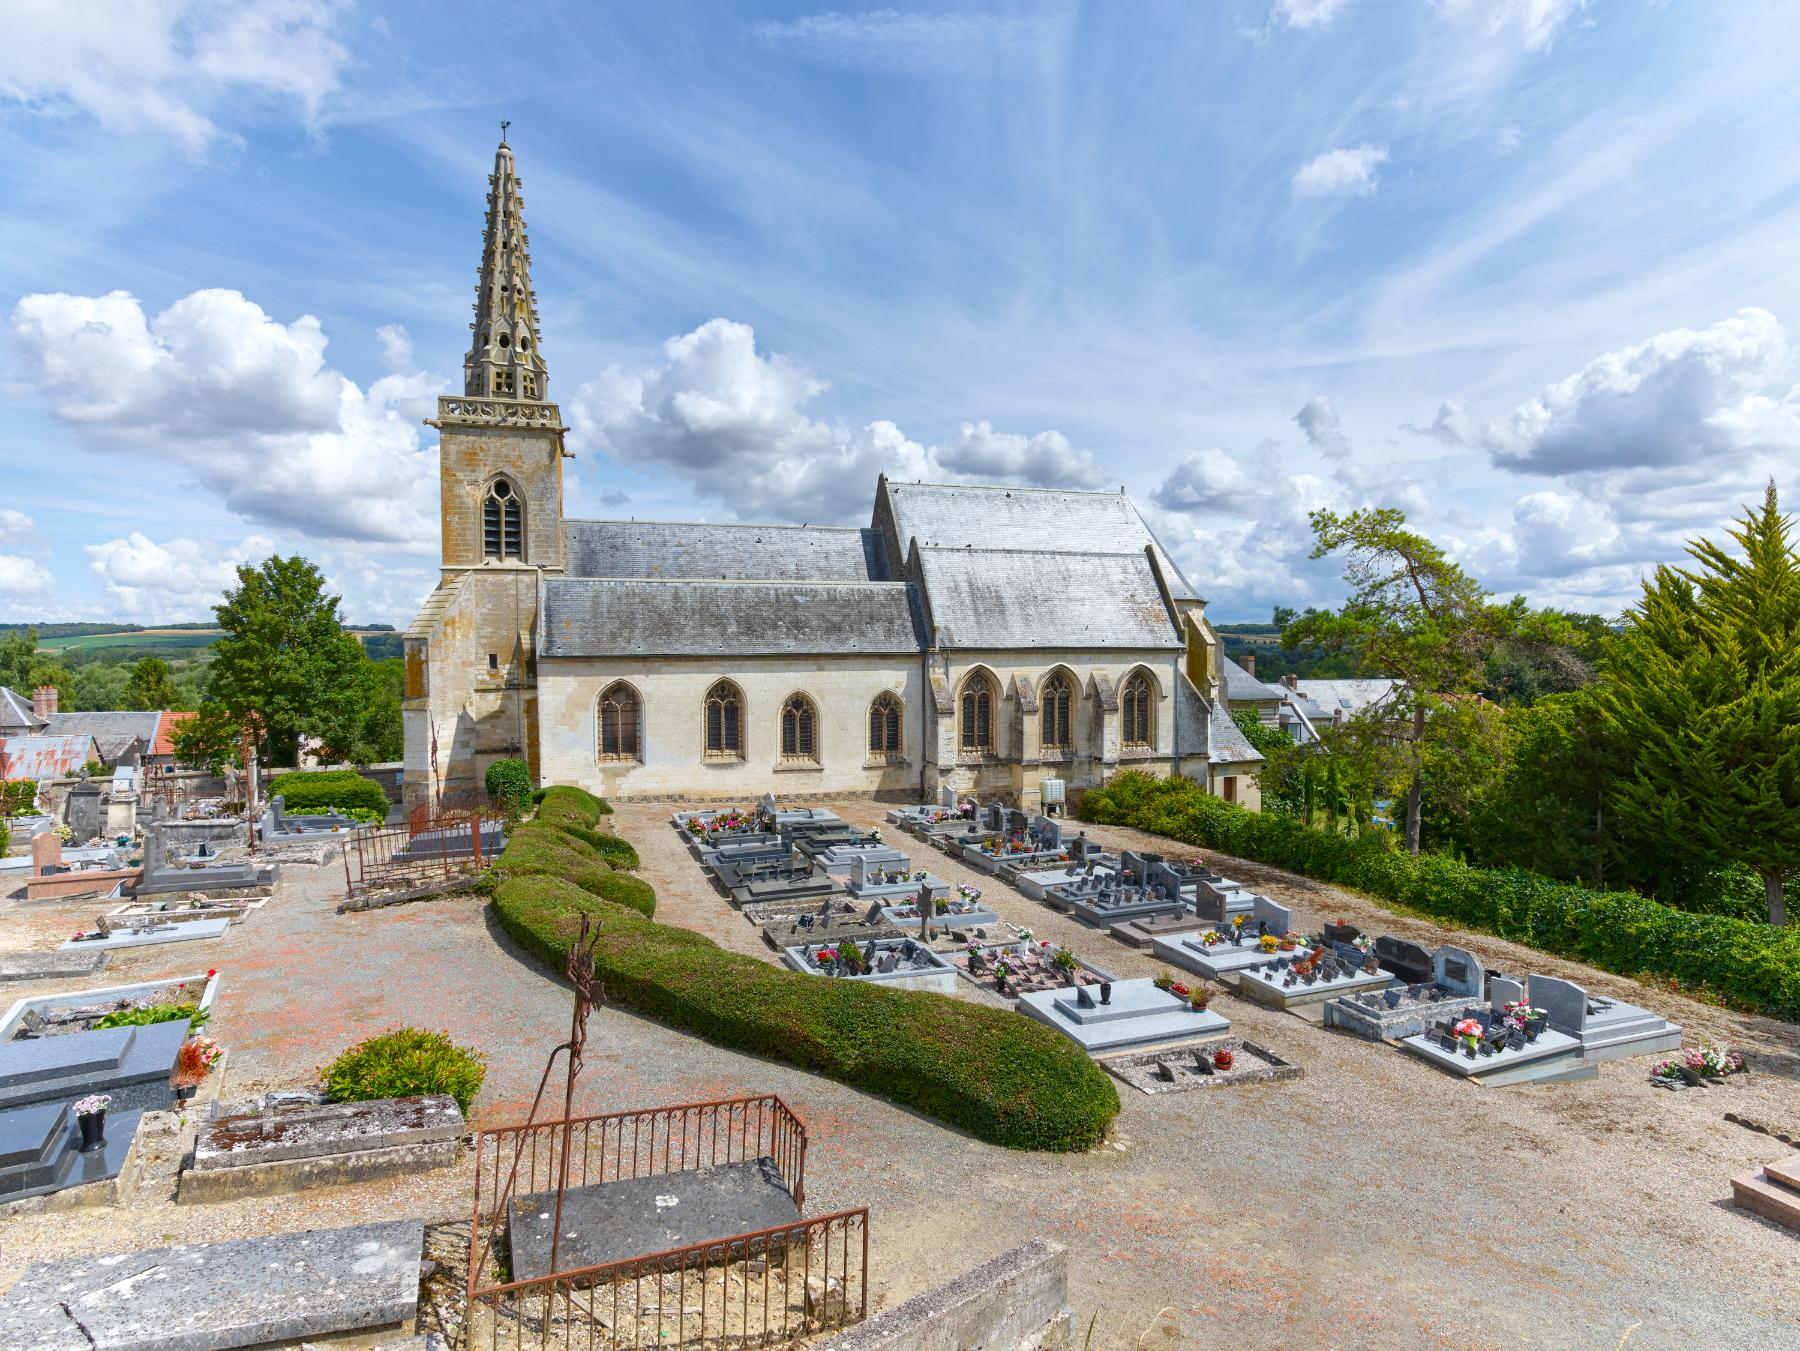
{"x": 1292, "y": 681}
{"x": 1248, "y": 662}
{"x": 43, "y": 700}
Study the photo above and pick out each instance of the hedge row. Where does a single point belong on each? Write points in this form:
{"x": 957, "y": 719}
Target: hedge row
{"x": 329, "y": 788}
{"x": 996, "y": 1074}
{"x": 1752, "y": 966}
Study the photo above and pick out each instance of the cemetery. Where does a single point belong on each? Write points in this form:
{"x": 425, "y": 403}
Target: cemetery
{"x": 830, "y": 923}
{"x": 1012, "y": 842}
{"x": 1230, "y": 1062}
{"x": 1226, "y": 950}
{"x": 1303, "y": 984}
{"x": 1409, "y": 1006}
{"x": 902, "y": 963}
{"x": 1494, "y": 1046}
{"x": 1117, "y": 1015}
{"x": 1025, "y": 967}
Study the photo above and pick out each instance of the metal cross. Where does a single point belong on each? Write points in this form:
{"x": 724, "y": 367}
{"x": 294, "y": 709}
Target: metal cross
{"x": 503, "y": 127}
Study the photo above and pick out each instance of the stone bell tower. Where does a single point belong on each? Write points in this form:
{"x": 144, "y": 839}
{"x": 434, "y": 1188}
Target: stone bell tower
{"x": 471, "y": 655}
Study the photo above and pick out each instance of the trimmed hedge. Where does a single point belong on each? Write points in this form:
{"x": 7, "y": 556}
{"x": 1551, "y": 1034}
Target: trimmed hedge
{"x": 570, "y": 806}
{"x": 995, "y": 1073}
{"x": 329, "y": 788}
{"x": 535, "y": 848}
{"x": 1752, "y": 966}
{"x": 509, "y": 782}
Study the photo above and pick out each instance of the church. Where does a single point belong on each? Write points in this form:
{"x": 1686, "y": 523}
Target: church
{"x": 983, "y": 639}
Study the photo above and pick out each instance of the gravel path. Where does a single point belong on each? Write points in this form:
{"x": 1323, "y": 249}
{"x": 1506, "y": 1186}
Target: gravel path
{"x": 1373, "y": 1203}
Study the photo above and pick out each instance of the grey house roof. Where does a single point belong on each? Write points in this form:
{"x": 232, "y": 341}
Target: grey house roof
{"x": 1004, "y": 598}
{"x": 1243, "y": 688}
{"x": 675, "y": 550}
{"x": 107, "y": 728}
{"x": 595, "y": 617}
{"x": 1047, "y": 520}
{"x": 1229, "y": 744}
{"x": 16, "y": 714}
{"x": 1342, "y": 698}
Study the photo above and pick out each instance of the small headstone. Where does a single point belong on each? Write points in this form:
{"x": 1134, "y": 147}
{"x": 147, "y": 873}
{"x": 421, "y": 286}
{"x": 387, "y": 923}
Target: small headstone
{"x": 1563, "y": 1002}
{"x": 1165, "y": 1071}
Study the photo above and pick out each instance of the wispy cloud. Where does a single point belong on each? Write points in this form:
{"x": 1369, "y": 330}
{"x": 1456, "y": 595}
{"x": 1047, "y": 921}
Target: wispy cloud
{"x": 887, "y": 40}
{"x": 1347, "y": 172}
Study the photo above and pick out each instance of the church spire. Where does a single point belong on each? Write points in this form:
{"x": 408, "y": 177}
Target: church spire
{"x": 504, "y": 360}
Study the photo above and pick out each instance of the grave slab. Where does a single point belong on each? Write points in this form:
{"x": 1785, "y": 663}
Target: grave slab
{"x": 950, "y": 915}
{"x": 1552, "y": 1057}
{"x": 56, "y": 965}
{"x": 1608, "y": 1029}
{"x": 1178, "y": 1071}
{"x": 1138, "y": 1014}
{"x": 133, "y": 1064}
{"x": 193, "y": 931}
{"x": 916, "y": 966}
{"x": 40, "y": 1150}
{"x": 1264, "y": 984}
{"x": 634, "y": 1217}
{"x": 202, "y": 1296}
{"x": 306, "y": 1132}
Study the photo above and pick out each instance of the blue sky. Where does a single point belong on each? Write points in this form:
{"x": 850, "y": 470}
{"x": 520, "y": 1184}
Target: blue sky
{"x": 1525, "y": 268}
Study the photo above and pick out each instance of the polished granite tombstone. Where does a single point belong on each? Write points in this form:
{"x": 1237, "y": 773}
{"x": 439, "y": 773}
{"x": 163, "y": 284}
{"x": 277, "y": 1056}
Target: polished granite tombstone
{"x": 1276, "y": 984}
{"x": 1234, "y": 947}
{"x": 951, "y": 913}
{"x": 1395, "y": 1012}
{"x": 1608, "y": 1029}
{"x": 1549, "y": 1057}
{"x": 150, "y": 931}
{"x": 1123, "y": 903}
{"x": 1135, "y": 1013}
{"x": 1032, "y": 968}
{"x": 133, "y": 1064}
{"x": 903, "y": 963}
{"x": 841, "y": 859}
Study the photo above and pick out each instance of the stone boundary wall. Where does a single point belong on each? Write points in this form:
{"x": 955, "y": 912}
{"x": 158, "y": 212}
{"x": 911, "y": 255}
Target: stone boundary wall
{"x": 1019, "y": 1299}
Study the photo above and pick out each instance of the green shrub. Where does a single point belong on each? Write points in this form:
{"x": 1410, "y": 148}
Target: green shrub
{"x": 508, "y": 782}
{"x": 563, "y": 805}
{"x": 1002, "y": 1077}
{"x": 341, "y": 788}
{"x": 156, "y": 1013}
{"x": 535, "y": 848}
{"x": 615, "y": 849}
{"x": 405, "y": 1063}
{"x": 1751, "y": 965}
{"x": 362, "y": 814}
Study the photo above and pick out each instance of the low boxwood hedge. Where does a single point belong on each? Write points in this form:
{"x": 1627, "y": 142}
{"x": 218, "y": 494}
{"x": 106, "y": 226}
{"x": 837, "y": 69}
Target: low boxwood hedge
{"x": 328, "y": 788}
{"x": 534, "y": 847}
{"x": 1750, "y": 965}
{"x": 995, "y": 1073}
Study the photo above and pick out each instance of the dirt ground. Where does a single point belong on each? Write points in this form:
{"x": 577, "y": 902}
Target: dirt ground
{"x": 1375, "y": 1202}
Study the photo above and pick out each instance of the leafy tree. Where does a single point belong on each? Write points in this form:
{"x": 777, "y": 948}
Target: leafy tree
{"x": 151, "y": 686}
{"x": 1413, "y": 615}
{"x": 1704, "y": 684}
{"x": 285, "y": 668}
{"x": 509, "y": 781}
{"x": 23, "y": 668}
{"x": 370, "y": 731}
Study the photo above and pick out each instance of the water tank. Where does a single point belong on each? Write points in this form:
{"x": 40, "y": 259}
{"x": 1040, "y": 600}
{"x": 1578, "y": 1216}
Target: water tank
{"x": 1051, "y": 793}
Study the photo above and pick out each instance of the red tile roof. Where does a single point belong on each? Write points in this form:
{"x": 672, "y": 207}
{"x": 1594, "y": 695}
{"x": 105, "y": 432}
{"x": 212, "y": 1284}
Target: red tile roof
{"x": 165, "y": 733}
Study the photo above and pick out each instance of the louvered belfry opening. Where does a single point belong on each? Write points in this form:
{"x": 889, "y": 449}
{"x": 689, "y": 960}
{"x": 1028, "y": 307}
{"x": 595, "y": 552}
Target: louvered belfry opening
{"x": 503, "y": 523}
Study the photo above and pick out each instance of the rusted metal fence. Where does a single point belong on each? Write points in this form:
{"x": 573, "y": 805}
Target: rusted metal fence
{"x": 442, "y": 847}
{"x": 760, "y": 1288}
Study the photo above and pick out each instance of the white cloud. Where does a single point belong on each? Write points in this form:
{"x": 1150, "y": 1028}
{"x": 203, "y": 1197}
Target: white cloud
{"x": 1346, "y": 172}
{"x": 162, "y": 67}
{"x": 1452, "y": 426}
{"x": 732, "y": 421}
{"x": 908, "y": 44}
{"x": 1304, "y": 13}
{"x": 1207, "y": 481}
{"x": 245, "y": 403}
{"x": 1509, "y": 139}
{"x": 20, "y": 576}
{"x": 1684, "y": 397}
{"x": 180, "y": 579}
{"x": 1536, "y": 22}
{"x": 1323, "y": 428}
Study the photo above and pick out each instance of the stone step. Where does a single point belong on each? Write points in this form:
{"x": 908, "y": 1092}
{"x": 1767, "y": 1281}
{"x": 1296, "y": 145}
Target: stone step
{"x": 1786, "y": 1173}
{"x": 242, "y": 1292}
{"x": 1761, "y": 1195}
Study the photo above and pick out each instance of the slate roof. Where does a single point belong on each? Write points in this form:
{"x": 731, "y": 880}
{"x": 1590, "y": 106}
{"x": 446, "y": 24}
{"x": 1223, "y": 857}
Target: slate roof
{"x": 1050, "y": 520}
{"x": 1243, "y": 688}
{"x": 47, "y": 757}
{"x": 596, "y": 617}
{"x": 681, "y": 550}
{"x": 1229, "y": 744}
{"x": 16, "y": 714}
{"x": 1005, "y": 598}
{"x": 103, "y": 726}
{"x": 1329, "y": 698}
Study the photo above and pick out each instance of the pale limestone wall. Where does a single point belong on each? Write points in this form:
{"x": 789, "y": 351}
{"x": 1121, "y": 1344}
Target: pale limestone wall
{"x": 469, "y": 459}
{"x": 672, "y": 692}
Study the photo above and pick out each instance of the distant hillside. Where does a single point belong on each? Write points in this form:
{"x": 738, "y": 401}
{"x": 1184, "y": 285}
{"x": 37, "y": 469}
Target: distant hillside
{"x": 82, "y": 643}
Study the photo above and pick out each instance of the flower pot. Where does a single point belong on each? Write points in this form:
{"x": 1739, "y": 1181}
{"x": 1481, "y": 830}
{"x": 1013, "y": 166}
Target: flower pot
{"x": 186, "y": 1091}
{"x": 93, "y": 1131}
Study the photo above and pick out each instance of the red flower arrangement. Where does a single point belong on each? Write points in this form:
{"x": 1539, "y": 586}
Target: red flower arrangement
{"x": 1222, "y": 1060}
{"x": 1180, "y": 990}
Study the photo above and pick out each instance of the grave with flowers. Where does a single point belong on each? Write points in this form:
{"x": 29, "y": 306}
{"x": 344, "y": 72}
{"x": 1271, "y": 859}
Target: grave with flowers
{"x": 1407, "y": 1008}
{"x": 1023, "y": 844}
{"x": 1228, "y": 1063}
{"x": 1505, "y": 1040}
{"x": 1303, "y": 982}
{"x": 1220, "y": 951}
{"x": 1025, "y": 967}
{"x": 1699, "y": 1066}
{"x": 903, "y": 963}
{"x": 830, "y": 921}
{"x": 963, "y": 909}
{"x": 1117, "y": 1015}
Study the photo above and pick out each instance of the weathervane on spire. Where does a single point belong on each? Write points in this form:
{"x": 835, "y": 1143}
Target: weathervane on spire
{"x": 503, "y": 126}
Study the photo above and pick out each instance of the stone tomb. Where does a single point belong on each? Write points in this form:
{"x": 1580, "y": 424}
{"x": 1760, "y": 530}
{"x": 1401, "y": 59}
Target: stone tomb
{"x": 828, "y": 922}
{"x": 282, "y": 1288}
{"x": 133, "y": 1064}
{"x": 1608, "y": 1029}
{"x": 56, "y": 965}
{"x": 1234, "y": 947}
{"x": 1407, "y": 1009}
{"x": 40, "y": 1149}
{"x": 149, "y": 931}
{"x": 904, "y": 963}
{"x": 60, "y": 1015}
{"x": 1304, "y": 984}
{"x": 1029, "y": 967}
{"x": 1179, "y": 1071}
{"x": 1133, "y": 1013}
{"x": 1023, "y": 844}
{"x": 1502, "y": 1055}
{"x": 178, "y": 909}
{"x": 1408, "y": 961}
{"x": 258, "y": 1149}
{"x": 891, "y": 885}
{"x": 1220, "y": 904}
{"x": 840, "y": 860}
{"x": 955, "y": 913}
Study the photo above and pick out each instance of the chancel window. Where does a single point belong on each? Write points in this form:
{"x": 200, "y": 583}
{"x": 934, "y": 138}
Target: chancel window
{"x": 502, "y": 522}
{"x": 1134, "y": 711}
{"x": 884, "y": 726}
{"x": 1057, "y": 699}
{"x": 724, "y": 720}
{"x": 977, "y": 716}
{"x": 619, "y": 723}
{"x": 799, "y": 729}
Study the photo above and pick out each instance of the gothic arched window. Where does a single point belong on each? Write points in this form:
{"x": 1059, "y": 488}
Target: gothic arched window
{"x": 724, "y": 720}
{"x": 620, "y": 722}
{"x": 799, "y": 729}
{"x": 503, "y": 522}
{"x": 884, "y": 725}
{"x": 976, "y": 730}
{"x": 1057, "y": 698}
{"x": 1135, "y": 703}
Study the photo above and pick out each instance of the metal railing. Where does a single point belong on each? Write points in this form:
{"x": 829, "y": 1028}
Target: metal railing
{"x": 747, "y": 1289}
{"x": 383, "y": 860}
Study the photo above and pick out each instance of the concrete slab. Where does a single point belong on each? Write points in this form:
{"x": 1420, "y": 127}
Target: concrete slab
{"x": 1138, "y": 1014}
{"x": 1265, "y": 987}
{"x": 1218, "y": 959}
{"x": 613, "y": 1221}
{"x": 57, "y": 965}
{"x": 131, "y": 1063}
{"x": 193, "y": 931}
{"x": 307, "y": 1132}
{"x": 1552, "y": 1053}
{"x": 202, "y": 1296}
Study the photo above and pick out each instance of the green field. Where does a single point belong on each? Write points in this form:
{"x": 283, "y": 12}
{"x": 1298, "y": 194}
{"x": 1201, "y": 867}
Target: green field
{"x": 132, "y": 644}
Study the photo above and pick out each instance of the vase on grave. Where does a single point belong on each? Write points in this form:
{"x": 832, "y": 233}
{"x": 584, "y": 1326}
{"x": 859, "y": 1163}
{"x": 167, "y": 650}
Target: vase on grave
{"x": 93, "y": 1131}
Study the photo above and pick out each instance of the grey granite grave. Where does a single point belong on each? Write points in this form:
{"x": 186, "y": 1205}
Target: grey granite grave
{"x": 57, "y": 965}
{"x": 77, "y": 1011}
{"x": 149, "y": 932}
{"x": 902, "y": 963}
{"x": 952, "y": 913}
{"x": 1396, "y": 1012}
{"x": 1036, "y": 961}
{"x": 207, "y": 1296}
{"x": 1269, "y": 983}
{"x": 1551, "y": 1058}
{"x": 1122, "y": 904}
{"x": 1037, "y": 882}
{"x": 827, "y": 924}
{"x": 1460, "y": 972}
{"x": 1181, "y": 1070}
{"x": 1608, "y": 1029}
{"x": 840, "y": 859}
{"x": 1408, "y": 961}
{"x": 1136, "y": 1014}
{"x": 891, "y": 885}
{"x": 133, "y": 1064}
{"x": 40, "y": 1150}
{"x": 634, "y": 1217}
{"x": 276, "y": 822}
{"x": 277, "y": 1148}
{"x": 1235, "y": 947}
{"x": 1220, "y": 904}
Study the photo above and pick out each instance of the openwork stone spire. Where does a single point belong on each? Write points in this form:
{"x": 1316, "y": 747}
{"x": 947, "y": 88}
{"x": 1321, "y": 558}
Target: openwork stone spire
{"x": 504, "y": 360}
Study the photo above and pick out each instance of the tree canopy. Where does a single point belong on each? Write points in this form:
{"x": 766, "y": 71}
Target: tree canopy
{"x": 151, "y": 686}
